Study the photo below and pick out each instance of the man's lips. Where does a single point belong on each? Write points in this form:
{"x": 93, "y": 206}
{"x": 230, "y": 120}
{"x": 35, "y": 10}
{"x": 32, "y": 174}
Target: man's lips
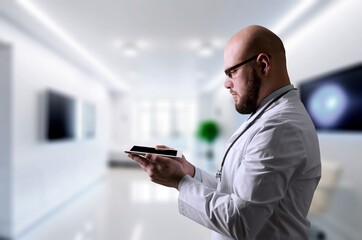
{"x": 234, "y": 94}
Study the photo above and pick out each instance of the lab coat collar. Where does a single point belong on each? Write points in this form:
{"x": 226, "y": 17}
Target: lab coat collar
{"x": 267, "y": 99}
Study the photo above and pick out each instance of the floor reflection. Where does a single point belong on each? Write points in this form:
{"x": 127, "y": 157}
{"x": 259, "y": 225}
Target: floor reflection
{"x": 122, "y": 205}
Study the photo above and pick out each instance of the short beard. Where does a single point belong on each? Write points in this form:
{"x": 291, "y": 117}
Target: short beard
{"x": 248, "y": 102}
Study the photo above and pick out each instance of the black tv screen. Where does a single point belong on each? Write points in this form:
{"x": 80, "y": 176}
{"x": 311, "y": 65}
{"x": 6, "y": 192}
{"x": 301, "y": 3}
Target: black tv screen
{"x": 60, "y": 116}
{"x": 334, "y": 101}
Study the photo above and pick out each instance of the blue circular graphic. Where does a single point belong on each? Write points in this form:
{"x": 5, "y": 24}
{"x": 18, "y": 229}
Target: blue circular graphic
{"x": 327, "y": 105}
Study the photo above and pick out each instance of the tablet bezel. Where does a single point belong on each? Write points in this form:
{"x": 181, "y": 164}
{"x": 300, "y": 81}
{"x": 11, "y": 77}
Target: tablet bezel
{"x": 143, "y": 153}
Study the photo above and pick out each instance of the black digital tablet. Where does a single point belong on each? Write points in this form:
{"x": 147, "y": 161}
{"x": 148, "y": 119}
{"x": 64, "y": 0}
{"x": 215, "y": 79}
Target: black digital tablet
{"x": 142, "y": 150}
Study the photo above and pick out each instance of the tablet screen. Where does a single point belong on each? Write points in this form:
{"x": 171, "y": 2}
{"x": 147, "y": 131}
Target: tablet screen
{"x": 153, "y": 150}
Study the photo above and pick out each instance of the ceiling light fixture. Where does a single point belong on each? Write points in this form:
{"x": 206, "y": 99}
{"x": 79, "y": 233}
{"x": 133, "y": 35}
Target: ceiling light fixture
{"x": 218, "y": 43}
{"x": 194, "y": 44}
{"x": 130, "y": 49}
{"x": 64, "y": 36}
{"x": 130, "y": 52}
{"x": 206, "y": 51}
{"x": 142, "y": 44}
{"x": 205, "y": 48}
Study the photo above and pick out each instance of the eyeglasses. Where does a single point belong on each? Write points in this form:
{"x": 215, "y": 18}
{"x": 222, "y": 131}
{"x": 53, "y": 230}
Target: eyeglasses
{"x": 230, "y": 72}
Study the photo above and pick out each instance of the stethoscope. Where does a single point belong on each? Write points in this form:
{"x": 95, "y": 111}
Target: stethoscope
{"x": 219, "y": 172}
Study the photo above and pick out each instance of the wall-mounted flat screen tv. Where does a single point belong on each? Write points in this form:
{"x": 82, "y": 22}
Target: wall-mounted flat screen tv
{"x": 60, "y": 116}
{"x": 334, "y": 101}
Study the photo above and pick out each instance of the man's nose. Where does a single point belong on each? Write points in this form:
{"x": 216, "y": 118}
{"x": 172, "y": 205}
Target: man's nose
{"x": 228, "y": 83}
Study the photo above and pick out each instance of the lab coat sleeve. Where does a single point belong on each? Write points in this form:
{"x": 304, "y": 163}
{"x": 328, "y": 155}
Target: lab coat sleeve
{"x": 267, "y": 166}
{"x": 208, "y": 207}
{"x": 201, "y": 176}
{"x": 207, "y": 179}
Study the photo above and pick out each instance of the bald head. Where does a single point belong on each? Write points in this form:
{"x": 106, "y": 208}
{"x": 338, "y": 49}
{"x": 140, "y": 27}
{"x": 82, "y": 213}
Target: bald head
{"x": 267, "y": 64}
{"x": 253, "y": 40}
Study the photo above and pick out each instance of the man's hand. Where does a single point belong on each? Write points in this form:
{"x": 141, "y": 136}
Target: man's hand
{"x": 163, "y": 170}
{"x": 188, "y": 167}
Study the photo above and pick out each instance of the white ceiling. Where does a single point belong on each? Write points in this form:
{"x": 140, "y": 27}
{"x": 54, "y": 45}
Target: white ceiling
{"x": 173, "y": 38}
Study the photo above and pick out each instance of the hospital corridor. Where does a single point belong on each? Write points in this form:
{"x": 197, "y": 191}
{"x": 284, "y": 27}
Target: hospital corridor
{"x": 82, "y": 81}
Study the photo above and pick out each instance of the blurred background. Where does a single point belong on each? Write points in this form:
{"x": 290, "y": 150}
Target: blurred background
{"x": 80, "y": 81}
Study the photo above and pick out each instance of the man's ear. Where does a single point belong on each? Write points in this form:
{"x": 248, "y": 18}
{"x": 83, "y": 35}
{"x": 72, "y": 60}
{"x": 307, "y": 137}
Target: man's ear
{"x": 264, "y": 63}
{"x": 263, "y": 66}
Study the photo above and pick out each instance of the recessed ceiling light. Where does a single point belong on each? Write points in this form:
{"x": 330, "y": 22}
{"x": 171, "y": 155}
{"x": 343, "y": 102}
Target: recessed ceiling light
{"x": 206, "y": 51}
{"x": 142, "y": 44}
{"x": 194, "y": 44}
{"x": 217, "y": 42}
{"x": 130, "y": 52}
{"x": 205, "y": 48}
{"x": 131, "y": 49}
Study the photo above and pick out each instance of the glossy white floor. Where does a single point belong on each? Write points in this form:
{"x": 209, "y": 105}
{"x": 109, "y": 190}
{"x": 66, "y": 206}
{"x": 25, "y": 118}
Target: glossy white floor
{"x": 125, "y": 205}
{"x": 122, "y": 205}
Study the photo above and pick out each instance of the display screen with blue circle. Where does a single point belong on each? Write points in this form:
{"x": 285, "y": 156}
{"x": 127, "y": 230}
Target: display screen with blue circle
{"x": 334, "y": 101}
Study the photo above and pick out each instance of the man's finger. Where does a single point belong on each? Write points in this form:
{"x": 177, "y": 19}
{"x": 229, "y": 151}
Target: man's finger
{"x": 148, "y": 156}
{"x": 143, "y": 162}
{"x": 160, "y": 160}
{"x": 154, "y": 158}
{"x": 162, "y": 147}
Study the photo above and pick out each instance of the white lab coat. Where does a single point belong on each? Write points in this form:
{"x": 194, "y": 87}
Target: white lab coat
{"x": 267, "y": 182}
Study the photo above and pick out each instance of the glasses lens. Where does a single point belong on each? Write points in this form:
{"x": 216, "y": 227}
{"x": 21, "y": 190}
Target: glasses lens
{"x": 231, "y": 74}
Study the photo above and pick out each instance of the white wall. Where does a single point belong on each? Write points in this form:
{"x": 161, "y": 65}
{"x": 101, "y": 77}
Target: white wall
{"x": 121, "y": 122}
{"x": 43, "y": 175}
{"x": 328, "y": 42}
{"x": 5, "y": 138}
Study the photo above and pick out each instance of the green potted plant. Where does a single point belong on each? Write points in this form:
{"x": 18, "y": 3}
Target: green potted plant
{"x": 208, "y": 130}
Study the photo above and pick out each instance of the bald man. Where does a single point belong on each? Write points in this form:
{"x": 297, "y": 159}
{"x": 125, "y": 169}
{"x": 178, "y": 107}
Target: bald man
{"x": 271, "y": 166}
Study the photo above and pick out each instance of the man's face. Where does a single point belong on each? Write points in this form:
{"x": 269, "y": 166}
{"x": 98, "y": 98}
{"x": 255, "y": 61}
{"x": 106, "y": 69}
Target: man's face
{"x": 242, "y": 80}
{"x": 247, "y": 100}
{"x": 245, "y": 91}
